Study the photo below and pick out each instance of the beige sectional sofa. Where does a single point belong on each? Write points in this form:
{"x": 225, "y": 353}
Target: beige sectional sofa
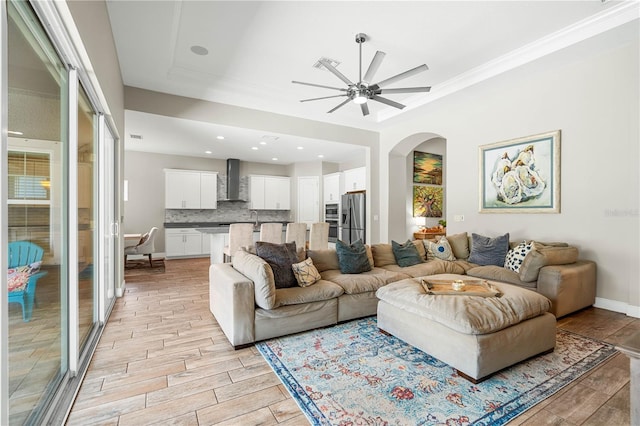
{"x": 249, "y": 308}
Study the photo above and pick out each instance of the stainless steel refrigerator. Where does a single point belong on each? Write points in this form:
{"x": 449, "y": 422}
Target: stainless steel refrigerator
{"x": 353, "y": 217}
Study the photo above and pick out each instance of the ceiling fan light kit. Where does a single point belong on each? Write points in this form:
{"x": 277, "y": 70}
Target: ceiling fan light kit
{"x": 363, "y": 90}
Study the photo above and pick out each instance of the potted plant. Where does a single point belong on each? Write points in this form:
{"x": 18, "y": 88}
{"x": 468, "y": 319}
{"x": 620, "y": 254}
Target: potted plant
{"x": 442, "y": 223}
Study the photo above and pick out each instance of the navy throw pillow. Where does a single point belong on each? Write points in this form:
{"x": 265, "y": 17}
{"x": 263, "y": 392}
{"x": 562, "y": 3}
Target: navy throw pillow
{"x": 280, "y": 257}
{"x": 489, "y": 251}
{"x": 406, "y": 254}
{"x": 352, "y": 258}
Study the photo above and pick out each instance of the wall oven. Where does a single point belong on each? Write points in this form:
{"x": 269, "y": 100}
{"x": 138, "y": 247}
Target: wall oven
{"x": 332, "y": 218}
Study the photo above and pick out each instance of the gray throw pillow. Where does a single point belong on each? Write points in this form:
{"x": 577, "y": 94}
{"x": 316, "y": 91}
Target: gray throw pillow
{"x": 280, "y": 257}
{"x": 352, "y": 258}
{"x": 406, "y": 254}
{"x": 489, "y": 251}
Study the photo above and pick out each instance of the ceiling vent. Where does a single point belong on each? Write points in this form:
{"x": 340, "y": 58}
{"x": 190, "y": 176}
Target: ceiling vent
{"x": 132, "y": 136}
{"x": 318, "y": 65}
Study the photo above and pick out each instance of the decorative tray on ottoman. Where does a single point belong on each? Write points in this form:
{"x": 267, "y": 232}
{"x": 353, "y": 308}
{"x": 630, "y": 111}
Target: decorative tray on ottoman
{"x": 460, "y": 287}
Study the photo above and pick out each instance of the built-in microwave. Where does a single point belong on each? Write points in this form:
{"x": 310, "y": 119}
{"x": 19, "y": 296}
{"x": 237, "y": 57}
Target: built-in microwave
{"x": 331, "y": 212}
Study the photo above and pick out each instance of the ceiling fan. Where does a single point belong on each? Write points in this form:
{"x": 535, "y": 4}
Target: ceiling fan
{"x": 363, "y": 90}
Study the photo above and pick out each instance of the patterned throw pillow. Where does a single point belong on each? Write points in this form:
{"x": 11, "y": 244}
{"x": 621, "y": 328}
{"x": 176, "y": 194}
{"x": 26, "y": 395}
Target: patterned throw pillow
{"x": 306, "y": 274}
{"x": 440, "y": 249}
{"x": 17, "y": 278}
{"x": 406, "y": 254}
{"x": 280, "y": 257}
{"x": 516, "y": 256}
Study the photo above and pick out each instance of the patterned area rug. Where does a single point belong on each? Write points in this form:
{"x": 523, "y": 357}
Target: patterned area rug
{"x": 354, "y": 374}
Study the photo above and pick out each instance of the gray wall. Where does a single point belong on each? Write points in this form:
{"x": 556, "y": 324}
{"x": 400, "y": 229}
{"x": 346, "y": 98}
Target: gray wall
{"x": 590, "y": 92}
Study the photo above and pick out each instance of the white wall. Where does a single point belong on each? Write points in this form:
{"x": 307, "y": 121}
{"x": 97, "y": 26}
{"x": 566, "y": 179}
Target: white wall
{"x": 590, "y": 92}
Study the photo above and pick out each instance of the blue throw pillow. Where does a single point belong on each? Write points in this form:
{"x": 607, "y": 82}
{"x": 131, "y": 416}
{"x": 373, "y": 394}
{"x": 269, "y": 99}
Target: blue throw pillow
{"x": 352, "y": 258}
{"x": 406, "y": 254}
{"x": 489, "y": 251}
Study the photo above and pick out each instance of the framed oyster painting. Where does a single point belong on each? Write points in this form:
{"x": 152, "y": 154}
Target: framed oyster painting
{"x": 521, "y": 175}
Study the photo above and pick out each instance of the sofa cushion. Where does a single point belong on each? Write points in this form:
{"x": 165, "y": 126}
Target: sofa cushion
{"x": 516, "y": 255}
{"x": 459, "y": 245}
{"x": 406, "y": 254}
{"x": 499, "y": 273}
{"x": 353, "y": 257}
{"x": 258, "y": 271}
{"x": 280, "y": 257}
{"x": 546, "y": 254}
{"x": 439, "y": 249}
{"x": 305, "y": 273}
{"x": 324, "y": 260}
{"x": 363, "y": 282}
{"x": 321, "y": 290}
{"x": 430, "y": 267}
{"x": 489, "y": 251}
{"x": 382, "y": 255}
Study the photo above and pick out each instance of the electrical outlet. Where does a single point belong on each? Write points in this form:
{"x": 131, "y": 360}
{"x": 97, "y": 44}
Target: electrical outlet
{"x": 458, "y": 218}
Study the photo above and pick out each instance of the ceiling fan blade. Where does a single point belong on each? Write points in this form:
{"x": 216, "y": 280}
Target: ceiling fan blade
{"x": 342, "y": 104}
{"x": 402, "y": 75}
{"x": 337, "y": 73}
{"x": 373, "y": 66}
{"x": 403, "y": 90}
{"x": 324, "y": 97}
{"x": 387, "y": 101}
{"x": 365, "y": 109}
{"x": 318, "y": 85}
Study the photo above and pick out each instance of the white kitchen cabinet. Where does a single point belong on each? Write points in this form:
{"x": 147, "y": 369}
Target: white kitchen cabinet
{"x": 331, "y": 188}
{"x": 183, "y": 242}
{"x": 190, "y": 189}
{"x": 355, "y": 179}
{"x": 270, "y": 192}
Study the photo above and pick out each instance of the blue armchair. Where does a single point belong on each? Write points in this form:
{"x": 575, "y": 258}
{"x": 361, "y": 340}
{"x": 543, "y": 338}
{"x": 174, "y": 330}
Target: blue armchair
{"x": 25, "y": 254}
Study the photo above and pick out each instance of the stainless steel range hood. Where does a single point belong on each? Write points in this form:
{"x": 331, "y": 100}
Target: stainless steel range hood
{"x": 233, "y": 180}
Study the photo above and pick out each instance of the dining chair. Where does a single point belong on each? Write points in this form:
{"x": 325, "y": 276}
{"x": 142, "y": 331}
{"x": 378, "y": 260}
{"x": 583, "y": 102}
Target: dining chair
{"x": 240, "y": 235}
{"x": 296, "y": 232}
{"x": 271, "y": 233}
{"x": 28, "y": 257}
{"x": 146, "y": 246}
{"x": 319, "y": 236}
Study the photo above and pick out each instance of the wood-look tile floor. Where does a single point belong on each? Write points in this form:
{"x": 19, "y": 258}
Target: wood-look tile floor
{"x": 163, "y": 359}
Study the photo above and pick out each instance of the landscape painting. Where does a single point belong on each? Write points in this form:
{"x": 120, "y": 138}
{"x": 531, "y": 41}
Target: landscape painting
{"x": 427, "y": 168}
{"x": 427, "y": 201}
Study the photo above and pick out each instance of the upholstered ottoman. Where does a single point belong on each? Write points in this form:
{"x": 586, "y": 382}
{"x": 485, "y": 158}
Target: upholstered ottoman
{"x": 476, "y": 335}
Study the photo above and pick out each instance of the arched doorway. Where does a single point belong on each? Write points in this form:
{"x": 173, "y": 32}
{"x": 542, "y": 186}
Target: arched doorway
{"x": 401, "y": 222}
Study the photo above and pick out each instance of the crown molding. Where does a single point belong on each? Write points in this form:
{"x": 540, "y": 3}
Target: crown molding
{"x": 599, "y": 23}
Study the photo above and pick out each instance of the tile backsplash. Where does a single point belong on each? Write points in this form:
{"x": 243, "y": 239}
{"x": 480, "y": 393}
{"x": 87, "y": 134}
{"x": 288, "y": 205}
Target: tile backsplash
{"x": 227, "y": 211}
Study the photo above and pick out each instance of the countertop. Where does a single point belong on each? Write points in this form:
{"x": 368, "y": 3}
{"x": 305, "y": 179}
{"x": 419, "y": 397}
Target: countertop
{"x": 212, "y": 225}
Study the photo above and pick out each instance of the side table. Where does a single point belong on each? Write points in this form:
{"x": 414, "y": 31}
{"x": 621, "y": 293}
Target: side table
{"x": 428, "y": 235}
{"x": 631, "y": 348}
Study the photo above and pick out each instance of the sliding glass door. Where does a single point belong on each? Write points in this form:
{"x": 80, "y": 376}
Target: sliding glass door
{"x": 61, "y": 197}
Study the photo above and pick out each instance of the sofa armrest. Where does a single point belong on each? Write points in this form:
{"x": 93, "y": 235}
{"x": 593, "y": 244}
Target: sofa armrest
{"x": 232, "y": 302}
{"x": 569, "y": 287}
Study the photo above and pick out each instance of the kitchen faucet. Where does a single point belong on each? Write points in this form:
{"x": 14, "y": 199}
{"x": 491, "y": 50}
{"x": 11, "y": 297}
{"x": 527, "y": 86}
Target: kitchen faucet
{"x": 251, "y": 215}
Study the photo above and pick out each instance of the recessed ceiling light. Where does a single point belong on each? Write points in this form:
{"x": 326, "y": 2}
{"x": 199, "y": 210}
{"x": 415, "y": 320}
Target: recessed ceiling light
{"x": 13, "y": 132}
{"x": 300, "y": 147}
{"x": 207, "y": 152}
{"x": 255, "y": 148}
{"x": 320, "y": 156}
{"x": 220, "y": 137}
{"x": 263, "y": 143}
{"x": 275, "y": 158}
{"x": 199, "y": 50}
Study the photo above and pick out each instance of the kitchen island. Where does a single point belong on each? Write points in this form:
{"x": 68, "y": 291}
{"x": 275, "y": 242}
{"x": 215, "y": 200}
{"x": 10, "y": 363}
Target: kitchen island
{"x": 219, "y": 238}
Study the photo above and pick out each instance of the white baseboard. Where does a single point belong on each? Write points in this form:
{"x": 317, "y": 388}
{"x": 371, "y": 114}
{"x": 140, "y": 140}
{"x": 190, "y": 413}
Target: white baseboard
{"x": 615, "y": 306}
{"x": 120, "y": 290}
